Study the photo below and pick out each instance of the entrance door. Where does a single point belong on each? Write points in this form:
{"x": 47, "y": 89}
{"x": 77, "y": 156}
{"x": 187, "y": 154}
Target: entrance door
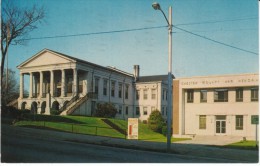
{"x": 220, "y": 124}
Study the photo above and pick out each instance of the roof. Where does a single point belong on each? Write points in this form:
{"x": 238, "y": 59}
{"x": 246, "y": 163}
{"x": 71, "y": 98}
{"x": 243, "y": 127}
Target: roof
{"x": 76, "y": 60}
{"x": 153, "y": 78}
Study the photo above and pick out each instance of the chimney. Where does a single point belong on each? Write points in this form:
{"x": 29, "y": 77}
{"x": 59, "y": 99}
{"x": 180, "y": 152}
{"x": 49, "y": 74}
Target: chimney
{"x": 136, "y": 72}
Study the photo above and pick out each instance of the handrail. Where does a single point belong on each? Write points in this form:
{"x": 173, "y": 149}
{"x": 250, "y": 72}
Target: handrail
{"x": 64, "y": 107}
{"x": 77, "y": 104}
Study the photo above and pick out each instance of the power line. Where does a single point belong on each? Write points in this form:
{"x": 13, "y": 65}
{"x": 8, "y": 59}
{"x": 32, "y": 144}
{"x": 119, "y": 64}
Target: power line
{"x": 216, "y": 21}
{"x": 95, "y": 33}
{"x": 204, "y": 37}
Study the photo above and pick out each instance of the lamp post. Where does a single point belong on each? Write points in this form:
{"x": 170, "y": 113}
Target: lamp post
{"x": 156, "y": 6}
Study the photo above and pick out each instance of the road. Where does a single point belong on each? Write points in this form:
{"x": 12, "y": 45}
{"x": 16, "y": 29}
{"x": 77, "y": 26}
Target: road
{"x": 23, "y": 147}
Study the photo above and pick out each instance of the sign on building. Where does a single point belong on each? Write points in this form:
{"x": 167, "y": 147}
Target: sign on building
{"x": 254, "y": 119}
{"x": 132, "y": 128}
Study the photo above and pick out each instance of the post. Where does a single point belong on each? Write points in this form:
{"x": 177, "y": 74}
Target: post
{"x": 51, "y": 83}
{"x": 169, "y": 101}
{"x": 41, "y": 83}
{"x": 63, "y": 83}
{"x": 31, "y": 86}
{"x": 75, "y": 81}
{"x": 256, "y": 134}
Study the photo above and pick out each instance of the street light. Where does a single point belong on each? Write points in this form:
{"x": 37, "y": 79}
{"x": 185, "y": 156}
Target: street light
{"x": 157, "y": 6}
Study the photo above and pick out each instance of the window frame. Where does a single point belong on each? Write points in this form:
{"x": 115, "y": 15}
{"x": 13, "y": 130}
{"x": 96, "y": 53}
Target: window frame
{"x": 218, "y": 94}
{"x": 190, "y": 96}
{"x": 203, "y": 96}
{"x": 254, "y": 94}
{"x": 202, "y": 122}
{"x": 239, "y": 122}
{"x": 239, "y": 95}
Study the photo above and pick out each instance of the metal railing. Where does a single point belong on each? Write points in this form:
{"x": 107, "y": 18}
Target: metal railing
{"x": 64, "y": 107}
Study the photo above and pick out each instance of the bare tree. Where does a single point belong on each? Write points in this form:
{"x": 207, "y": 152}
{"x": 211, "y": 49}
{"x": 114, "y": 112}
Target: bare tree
{"x": 16, "y": 24}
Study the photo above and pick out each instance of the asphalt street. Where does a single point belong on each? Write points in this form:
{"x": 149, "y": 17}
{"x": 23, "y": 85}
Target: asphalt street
{"x": 25, "y": 147}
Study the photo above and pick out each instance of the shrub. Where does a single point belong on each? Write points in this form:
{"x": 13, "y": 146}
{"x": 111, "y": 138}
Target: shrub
{"x": 144, "y": 121}
{"x": 164, "y": 130}
{"x": 156, "y": 121}
{"x": 54, "y": 112}
{"x": 106, "y": 110}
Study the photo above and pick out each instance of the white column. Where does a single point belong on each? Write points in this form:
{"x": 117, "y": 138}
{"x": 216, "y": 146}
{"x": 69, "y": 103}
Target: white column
{"x": 21, "y": 85}
{"x": 63, "y": 83}
{"x": 41, "y": 83}
{"x": 52, "y": 83}
{"x": 75, "y": 81}
{"x": 31, "y": 86}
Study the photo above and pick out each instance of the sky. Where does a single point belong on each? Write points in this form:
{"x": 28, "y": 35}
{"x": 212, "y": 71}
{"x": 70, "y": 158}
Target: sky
{"x": 213, "y": 37}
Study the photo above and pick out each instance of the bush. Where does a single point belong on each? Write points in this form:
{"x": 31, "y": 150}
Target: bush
{"x": 106, "y": 110}
{"x": 144, "y": 121}
{"x": 54, "y": 112}
{"x": 156, "y": 121}
{"x": 164, "y": 130}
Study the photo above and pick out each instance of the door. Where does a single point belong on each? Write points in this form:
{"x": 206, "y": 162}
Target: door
{"x": 221, "y": 124}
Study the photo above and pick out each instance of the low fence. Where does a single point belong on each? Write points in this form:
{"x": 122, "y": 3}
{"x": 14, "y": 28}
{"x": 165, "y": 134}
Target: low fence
{"x": 73, "y": 128}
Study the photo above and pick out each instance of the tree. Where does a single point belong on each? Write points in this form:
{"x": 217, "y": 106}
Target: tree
{"x": 106, "y": 110}
{"x": 16, "y": 24}
{"x": 10, "y": 92}
{"x": 156, "y": 121}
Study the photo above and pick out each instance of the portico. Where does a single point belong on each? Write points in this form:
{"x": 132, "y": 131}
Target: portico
{"x": 52, "y": 78}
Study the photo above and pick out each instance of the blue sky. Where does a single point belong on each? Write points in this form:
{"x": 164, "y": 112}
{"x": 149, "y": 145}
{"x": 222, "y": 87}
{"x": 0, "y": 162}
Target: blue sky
{"x": 233, "y": 22}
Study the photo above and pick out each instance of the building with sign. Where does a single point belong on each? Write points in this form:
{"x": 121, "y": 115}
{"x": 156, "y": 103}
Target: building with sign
{"x": 215, "y": 105}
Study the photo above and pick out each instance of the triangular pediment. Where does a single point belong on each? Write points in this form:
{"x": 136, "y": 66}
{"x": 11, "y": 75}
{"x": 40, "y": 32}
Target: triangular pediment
{"x": 46, "y": 57}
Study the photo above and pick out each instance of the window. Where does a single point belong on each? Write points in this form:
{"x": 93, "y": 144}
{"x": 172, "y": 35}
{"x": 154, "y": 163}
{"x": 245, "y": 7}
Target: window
{"x": 221, "y": 95}
{"x": 239, "y": 95}
{"x": 153, "y": 93}
{"x": 80, "y": 90}
{"x": 166, "y": 95}
{"x": 202, "y": 122}
{"x": 104, "y": 87}
{"x": 120, "y": 109}
{"x": 126, "y": 91}
{"x": 137, "y": 111}
{"x": 190, "y": 96}
{"x": 203, "y": 96}
{"x": 162, "y": 110}
{"x": 254, "y": 94}
{"x": 145, "y": 110}
{"x": 96, "y": 85}
{"x": 239, "y": 122}
{"x": 126, "y": 110}
{"x": 145, "y": 94}
{"x": 113, "y": 89}
{"x": 163, "y": 95}
{"x": 120, "y": 90}
{"x": 137, "y": 94}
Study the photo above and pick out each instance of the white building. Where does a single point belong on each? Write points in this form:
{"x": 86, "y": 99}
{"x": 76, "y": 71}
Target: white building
{"x": 74, "y": 86}
{"x": 215, "y": 105}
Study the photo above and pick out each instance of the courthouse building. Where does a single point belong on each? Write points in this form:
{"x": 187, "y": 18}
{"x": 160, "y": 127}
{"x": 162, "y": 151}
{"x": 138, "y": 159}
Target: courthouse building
{"x": 74, "y": 86}
{"x": 210, "y": 105}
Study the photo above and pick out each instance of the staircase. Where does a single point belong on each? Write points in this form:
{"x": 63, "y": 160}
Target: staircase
{"x": 72, "y": 105}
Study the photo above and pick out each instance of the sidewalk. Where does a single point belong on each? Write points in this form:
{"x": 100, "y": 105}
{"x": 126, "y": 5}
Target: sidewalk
{"x": 182, "y": 148}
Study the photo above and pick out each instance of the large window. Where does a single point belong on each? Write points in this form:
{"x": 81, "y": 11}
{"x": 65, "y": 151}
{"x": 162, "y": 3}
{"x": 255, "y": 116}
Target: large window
{"x": 104, "y": 87}
{"x": 254, "y": 94}
{"x": 239, "y": 94}
{"x": 145, "y": 94}
{"x": 137, "y": 111}
{"x": 221, "y": 95}
{"x": 120, "y": 109}
{"x": 203, "y": 96}
{"x": 126, "y": 91}
{"x": 120, "y": 90}
{"x": 96, "y": 85}
{"x": 113, "y": 88}
{"x": 126, "y": 110}
{"x": 153, "y": 93}
{"x": 137, "y": 94}
{"x": 239, "y": 122}
{"x": 190, "y": 96}
{"x": 202, "y": 122}
{"x": 145, "y": 110}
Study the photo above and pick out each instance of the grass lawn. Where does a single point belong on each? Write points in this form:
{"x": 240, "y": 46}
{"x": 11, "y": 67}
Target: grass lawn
{"x": 91, "y": 126}
{"x": 243, "y": 145}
